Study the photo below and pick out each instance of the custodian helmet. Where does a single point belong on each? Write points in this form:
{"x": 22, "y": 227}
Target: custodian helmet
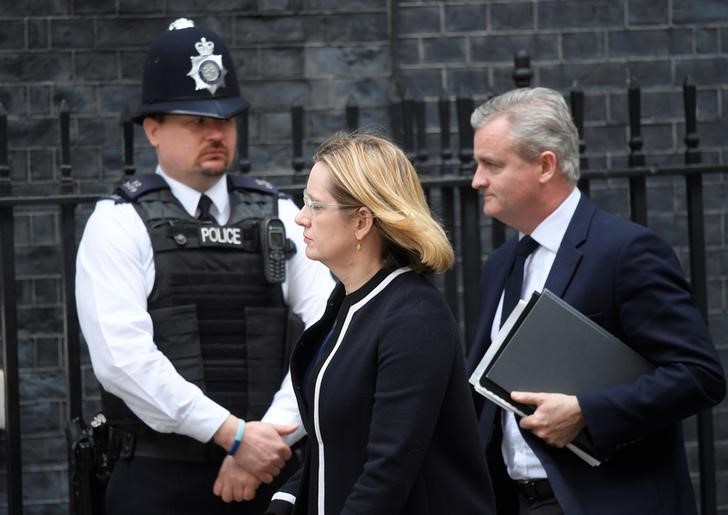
{"x": 189, "y": 70}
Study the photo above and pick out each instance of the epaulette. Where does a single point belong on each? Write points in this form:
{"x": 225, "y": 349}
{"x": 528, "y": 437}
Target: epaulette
{"x": 135, "y": 187}
{"x": 244, "y": 182}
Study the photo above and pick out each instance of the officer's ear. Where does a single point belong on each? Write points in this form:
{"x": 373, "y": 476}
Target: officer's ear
{"x": 151, "y": 126}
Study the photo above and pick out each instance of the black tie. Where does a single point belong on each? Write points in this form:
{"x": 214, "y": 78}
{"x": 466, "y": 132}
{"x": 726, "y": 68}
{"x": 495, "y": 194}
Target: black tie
{"x": 203, "y": 208}
{"x": 514, "y": 282}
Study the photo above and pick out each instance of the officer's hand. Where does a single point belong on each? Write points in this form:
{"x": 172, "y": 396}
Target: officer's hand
{"x": 262, "y": 452}
{"x": 234, "y": 483}
{"x": 557, "y": 419}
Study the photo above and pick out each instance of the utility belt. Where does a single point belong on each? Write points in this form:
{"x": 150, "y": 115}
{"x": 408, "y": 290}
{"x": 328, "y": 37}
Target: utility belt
{"x": 93, "y": 450}
{"x": 535, "y": 490}
{"x": 169, "y": 446}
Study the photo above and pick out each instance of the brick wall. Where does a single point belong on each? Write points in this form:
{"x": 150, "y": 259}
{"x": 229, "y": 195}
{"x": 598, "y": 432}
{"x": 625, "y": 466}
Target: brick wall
{"x": 322, "y": 54}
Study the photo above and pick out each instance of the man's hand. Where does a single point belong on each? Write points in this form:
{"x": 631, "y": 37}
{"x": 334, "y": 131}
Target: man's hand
{"x": 234, "y": 483}
{"x": 262, "y": 452}
{"x": 557, "y": 419}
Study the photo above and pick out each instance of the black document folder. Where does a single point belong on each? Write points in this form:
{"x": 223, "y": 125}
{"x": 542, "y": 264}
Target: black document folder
{"x": 546, "y": 345}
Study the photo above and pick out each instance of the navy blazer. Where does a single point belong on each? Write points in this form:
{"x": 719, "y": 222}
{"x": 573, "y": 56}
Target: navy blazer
{"x": 387, "y": 407}
{"x": 626, "y": 278}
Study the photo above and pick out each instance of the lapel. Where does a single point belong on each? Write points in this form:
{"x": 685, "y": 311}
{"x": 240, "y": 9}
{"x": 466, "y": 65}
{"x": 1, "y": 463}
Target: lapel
{"x": 495, "y": 281}
{"x": 492, "y": 281}
{"x": 568, "y": 256}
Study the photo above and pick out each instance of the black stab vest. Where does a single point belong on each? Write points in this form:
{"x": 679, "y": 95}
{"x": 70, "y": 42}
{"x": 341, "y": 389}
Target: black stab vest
{"x": 215, "y": 317}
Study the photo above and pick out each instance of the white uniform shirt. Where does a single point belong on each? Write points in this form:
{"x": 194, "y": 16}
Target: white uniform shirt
{"x": 520, "y": 460}
{"x": 114, "y": 277}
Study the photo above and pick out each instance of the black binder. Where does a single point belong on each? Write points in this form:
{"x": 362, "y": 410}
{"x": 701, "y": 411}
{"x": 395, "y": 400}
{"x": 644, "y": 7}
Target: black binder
{"x": 546, "y": 345}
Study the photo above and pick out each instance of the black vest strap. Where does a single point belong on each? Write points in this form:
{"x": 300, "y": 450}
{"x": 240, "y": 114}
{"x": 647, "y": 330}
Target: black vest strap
{"x": 245, "y": 182}
{"x": 135, "y": 187}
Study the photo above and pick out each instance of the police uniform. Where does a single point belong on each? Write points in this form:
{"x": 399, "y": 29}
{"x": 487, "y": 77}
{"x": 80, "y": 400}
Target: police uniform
{"x": 180, "y": 324}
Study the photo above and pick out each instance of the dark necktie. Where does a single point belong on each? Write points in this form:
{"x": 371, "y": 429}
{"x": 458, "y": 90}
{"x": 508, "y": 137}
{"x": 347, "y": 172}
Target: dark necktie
{"x": 203, "y": 207}
{"x": 514, "y": 282}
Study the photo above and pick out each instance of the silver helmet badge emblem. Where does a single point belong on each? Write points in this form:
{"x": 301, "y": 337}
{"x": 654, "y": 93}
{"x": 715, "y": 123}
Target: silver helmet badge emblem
{"x": 207, "y": 69}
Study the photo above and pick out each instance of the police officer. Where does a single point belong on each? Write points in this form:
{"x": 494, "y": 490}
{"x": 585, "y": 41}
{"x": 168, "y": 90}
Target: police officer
{"x": 184, "y": 287}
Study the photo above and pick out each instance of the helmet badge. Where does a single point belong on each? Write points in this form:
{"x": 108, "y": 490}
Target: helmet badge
{"x": 207, "y": 69}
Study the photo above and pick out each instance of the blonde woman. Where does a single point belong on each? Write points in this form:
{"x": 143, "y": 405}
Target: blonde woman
{"x": 380, "y": 379}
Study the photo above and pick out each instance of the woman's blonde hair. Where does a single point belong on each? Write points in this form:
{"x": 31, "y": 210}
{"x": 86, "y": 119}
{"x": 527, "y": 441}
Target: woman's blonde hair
{"x": 369, "y": 170}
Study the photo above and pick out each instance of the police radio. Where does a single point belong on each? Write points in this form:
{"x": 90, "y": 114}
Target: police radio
{"x": 273, "y": 248}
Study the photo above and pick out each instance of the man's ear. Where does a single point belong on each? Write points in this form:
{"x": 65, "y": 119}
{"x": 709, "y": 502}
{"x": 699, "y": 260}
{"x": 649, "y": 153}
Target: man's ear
{"x": 150, "y": 129}
{"x": 549, "y": 166}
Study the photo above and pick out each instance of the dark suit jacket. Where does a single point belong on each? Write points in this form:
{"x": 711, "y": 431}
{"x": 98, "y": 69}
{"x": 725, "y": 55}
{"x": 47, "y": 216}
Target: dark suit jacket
{"x": 627, "y": 279}
{"x": 388, "y": 411}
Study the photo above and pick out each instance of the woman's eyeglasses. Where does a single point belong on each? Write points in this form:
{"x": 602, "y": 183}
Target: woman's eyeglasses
{"x": 312, "y": 206}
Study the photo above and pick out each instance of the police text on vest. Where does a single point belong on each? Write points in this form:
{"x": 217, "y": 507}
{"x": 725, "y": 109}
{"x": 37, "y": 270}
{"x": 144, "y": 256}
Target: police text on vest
{"x": 220, "y": 235}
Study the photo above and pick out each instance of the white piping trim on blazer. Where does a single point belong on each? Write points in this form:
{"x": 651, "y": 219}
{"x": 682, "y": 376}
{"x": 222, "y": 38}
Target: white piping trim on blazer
{"x": 283, "y": 496}
{"x": 354, "y": 308}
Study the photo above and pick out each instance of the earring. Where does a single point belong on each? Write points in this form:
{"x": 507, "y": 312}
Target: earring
{"x": 358, "y": 245}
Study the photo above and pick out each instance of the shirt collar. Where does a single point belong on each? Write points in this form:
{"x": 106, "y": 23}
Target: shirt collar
{"x": 189, "y": 197}
{"x": 551, "y": 230}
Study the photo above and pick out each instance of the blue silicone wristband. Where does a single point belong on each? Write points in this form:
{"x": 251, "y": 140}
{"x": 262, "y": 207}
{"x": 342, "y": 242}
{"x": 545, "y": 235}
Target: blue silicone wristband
{"x": 238, "y": 438}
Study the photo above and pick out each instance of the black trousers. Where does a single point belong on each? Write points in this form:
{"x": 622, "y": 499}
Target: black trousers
{"x": 149, "y": 486}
